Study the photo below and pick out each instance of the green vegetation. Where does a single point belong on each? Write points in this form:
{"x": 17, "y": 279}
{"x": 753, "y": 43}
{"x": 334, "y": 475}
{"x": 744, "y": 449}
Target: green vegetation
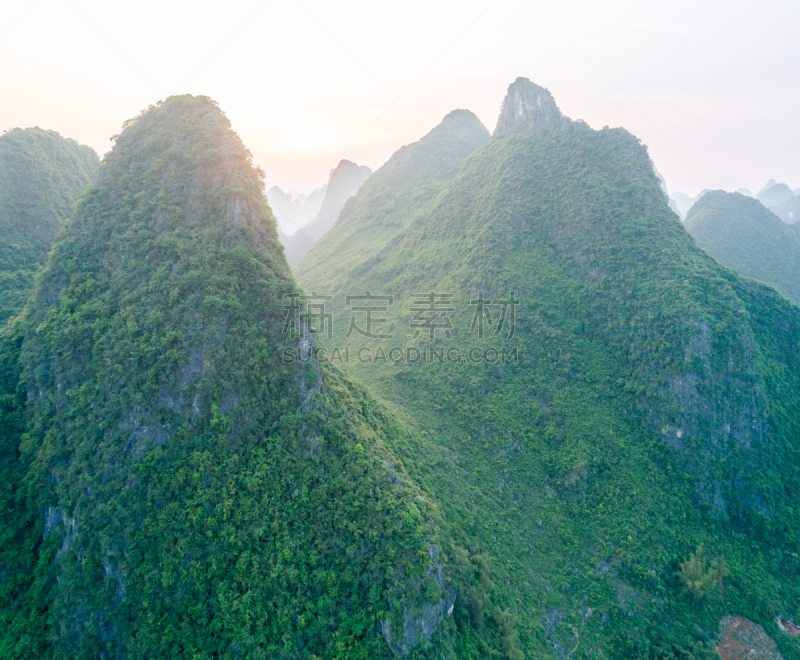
{"x": 653, "y": 407}
{"x": 702, "y": 578}
{"x": 171, "y": 487}
{"x": 694, "y": 651}
{"x": 507, "y": 631}
{"x": 391, "y": 198}
{"x": 742, "y": 234}
{"x": 41, "y": 177}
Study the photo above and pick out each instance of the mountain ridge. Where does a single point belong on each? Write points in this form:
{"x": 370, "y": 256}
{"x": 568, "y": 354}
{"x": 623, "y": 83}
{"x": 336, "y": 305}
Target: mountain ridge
{"x": 172, "y": 487}
{"x": 346, "y": 178}
{"x": 744, "y": 235}
{"x": 42, "y": 175}
{"x": 652, "y": 385}
{"x": 596, "y": 455}
{"x": 411, "y": 178}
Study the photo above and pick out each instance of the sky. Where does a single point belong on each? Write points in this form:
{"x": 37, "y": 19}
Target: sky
{"x": 711, "y": 87}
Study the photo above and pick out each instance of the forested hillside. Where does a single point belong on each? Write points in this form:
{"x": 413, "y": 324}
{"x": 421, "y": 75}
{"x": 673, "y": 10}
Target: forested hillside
{"x": 41, "y": 177}
{"x": 513, "y": 412}
{"x": 171, "y": 486}
{"x": 391, "y": 197}
{"x": 610, "y": 417}
{"x": 742, "y": 234}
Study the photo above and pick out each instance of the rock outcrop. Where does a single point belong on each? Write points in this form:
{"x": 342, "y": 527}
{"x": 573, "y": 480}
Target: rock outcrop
{"x": 528, "y": 106}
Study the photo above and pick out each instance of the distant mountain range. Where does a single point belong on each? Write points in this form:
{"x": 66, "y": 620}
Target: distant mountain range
{"x": 681, "y": 203}
{"x": 344, "y": 182}
{"x": 789, "y": 210}
{"x": 782, "y": 201}
{"x": 390, "y": 198}
{"x": 777, "y": 197}
{"x": 295, "y": 212}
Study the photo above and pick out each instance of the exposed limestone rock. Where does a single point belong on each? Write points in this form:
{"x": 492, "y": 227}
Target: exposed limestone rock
{"x": 528, "y": 106}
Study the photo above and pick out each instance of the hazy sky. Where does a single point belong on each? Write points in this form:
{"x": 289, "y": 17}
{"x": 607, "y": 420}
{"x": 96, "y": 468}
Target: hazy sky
{"x": 713, "y": 88}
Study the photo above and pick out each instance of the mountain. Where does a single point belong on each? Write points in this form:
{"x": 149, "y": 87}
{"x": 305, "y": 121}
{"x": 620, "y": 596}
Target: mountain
{"x": 604, "y": 412}
{"x": 775, "y": 195}
{"x": 781, "y": 200}
{"x": 279, "y": 200}
{"x": 295, "y": 212}
{"x": 344, "y": 182}
{"x": 674, "y": 207}
{"x": 681, "y": 203}
{"x": 172, "y": 486}
{"x": 789, "y": 211}
{"x": 766, "y": 187}
{"x": 41, "y": 177}
{"x": 741, "y": 234}
{"x": 388, "y": 200}
{"x": 662, "y": 181}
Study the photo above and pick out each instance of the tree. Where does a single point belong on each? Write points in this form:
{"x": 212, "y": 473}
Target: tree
{"x": 700, "y": 578}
